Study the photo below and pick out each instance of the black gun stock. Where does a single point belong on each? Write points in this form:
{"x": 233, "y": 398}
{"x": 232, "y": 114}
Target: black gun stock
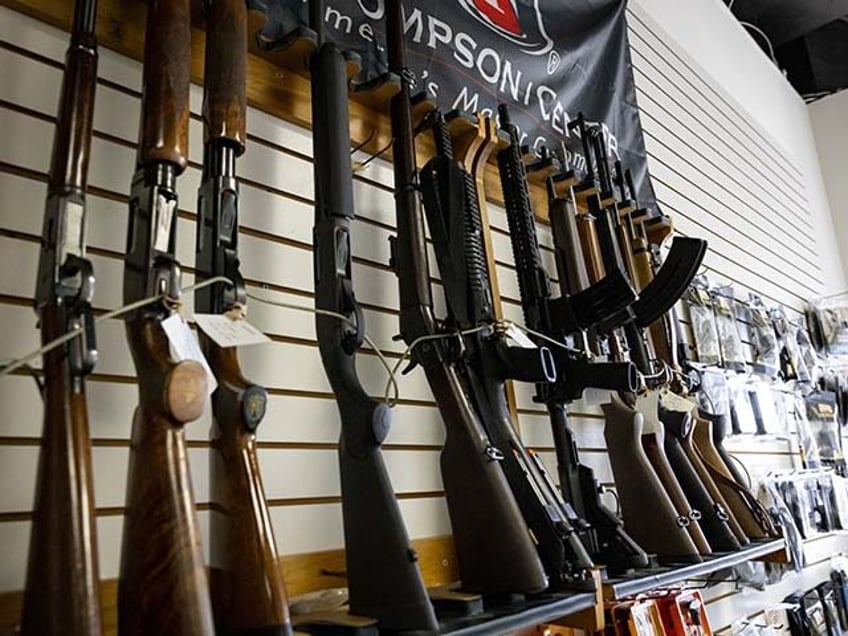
{"x": 604, "y": 536}
{"x": 62, "y": 594}
{"x": 382, "y": 569}
{"x": 494, "y": 548}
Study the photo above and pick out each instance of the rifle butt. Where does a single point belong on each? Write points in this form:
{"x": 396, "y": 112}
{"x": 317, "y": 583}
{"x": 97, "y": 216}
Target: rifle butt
{"x": 166, "y": 81}
{"x": 649, "y": 514}
{"x": 62, "y": 594}
{"x": 163, "y": 586}
{"x": 246, "y": 583}
{"x": 484, "y": 514}
{"x": 382, "y": 567}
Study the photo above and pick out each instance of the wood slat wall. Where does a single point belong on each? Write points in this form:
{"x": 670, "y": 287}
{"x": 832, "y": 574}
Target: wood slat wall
{"x": 714, "y": 170}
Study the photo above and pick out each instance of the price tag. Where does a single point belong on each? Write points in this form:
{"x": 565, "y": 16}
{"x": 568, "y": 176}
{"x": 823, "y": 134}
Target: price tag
{"x": 226, "y": 332}
{"x": 184, "y": 346}
{"x": 595, "y": 397}
{"x": 519, "y": 337}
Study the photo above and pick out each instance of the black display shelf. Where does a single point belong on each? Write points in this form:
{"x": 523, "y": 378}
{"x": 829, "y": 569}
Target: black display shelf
{"x": 641, "y": 581}
{"x": 496, "y": 617}
{"x": 508, "y": 617}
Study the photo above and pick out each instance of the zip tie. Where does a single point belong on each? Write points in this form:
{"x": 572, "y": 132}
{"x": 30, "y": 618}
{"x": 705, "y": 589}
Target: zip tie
{"x": 53, "y": 344}
{"x": 418, "y": 341}
{"x": 391, "y": 382}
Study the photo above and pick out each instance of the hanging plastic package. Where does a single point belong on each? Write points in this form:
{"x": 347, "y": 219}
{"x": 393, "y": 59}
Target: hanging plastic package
{"x": 730, "y": 342}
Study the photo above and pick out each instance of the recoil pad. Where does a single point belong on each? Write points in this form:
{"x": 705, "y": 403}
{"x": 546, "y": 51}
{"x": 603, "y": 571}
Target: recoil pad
{"x": 671, "y": 281}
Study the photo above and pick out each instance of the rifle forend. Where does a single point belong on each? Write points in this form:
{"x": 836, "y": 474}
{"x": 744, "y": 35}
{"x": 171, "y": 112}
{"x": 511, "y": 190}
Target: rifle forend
{"x": 246, "y": 583}
{"x": 483, "y": 511}
{"x": 383, "y": 576}
{"x": 62, "y": 595}
{"x": 163, "y": 586}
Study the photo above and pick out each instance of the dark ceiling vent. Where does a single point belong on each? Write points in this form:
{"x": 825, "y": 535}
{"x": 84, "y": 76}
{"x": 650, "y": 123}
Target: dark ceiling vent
{"x": 808, "y": 40}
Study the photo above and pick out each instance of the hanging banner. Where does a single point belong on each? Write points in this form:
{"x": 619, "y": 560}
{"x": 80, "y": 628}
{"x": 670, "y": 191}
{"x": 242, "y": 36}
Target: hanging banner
{"x": 548, "y": 60}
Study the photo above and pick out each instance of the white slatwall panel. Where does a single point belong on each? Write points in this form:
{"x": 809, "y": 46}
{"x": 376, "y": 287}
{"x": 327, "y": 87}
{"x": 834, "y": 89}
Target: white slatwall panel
{"x": 754, "y": 219}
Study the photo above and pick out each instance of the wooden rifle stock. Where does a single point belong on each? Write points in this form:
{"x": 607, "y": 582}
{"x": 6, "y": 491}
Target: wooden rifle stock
{"x": 163, "y": 586}
{"x": 246, "y": 583}
{"x": 62, "y": 595}
{"x": 494, "y": 548}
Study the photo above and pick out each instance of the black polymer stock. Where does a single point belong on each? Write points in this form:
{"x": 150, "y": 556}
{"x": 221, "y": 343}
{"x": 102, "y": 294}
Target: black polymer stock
{"x": 557, "y": 318}
{"x": 382, "y": 568}
{"x": 671, "y": 280}
{"x": 453, "y": 216}
{"x": 495, "y": 551}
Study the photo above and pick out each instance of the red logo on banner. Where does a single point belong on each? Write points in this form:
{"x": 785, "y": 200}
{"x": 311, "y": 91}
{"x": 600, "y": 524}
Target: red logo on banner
{"x": 518, "y": 21}
{"x": 502, "y": 13}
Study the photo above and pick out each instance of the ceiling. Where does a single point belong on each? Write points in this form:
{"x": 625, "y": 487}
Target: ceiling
{"x": 807, "y": 38}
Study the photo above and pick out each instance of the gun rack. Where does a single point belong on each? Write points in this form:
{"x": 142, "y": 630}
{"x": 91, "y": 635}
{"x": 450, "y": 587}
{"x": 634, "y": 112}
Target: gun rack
{"x": 499, "y": 616}
{"x": 640, "y": 581}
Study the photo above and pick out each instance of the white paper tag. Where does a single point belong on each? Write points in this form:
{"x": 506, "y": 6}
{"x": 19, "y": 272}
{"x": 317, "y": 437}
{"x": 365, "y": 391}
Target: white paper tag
{"x": 519, "y": 337}
{"x": 184, "y": 346}
{"x": 227, "y": 332}
{"x": 595, "y": 397}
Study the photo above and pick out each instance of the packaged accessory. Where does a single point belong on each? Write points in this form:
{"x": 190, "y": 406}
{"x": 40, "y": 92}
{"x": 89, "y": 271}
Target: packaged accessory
{"x": 765, "y": 349}
{"x": 704, "y": 329}
{"x": 730, "y": 342}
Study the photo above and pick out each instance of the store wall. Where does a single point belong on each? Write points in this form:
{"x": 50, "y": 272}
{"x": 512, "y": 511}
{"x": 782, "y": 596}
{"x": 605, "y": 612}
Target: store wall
{"x": 708, "y": 33}
{"x": 718, "y": 169}
{"x": 830, "y": 124}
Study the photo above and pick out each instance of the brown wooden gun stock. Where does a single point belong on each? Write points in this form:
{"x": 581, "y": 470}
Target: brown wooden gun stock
{"x": 246, "y": 583}
{"x": 163, "y": 587}
{"x": 61, "y": 595}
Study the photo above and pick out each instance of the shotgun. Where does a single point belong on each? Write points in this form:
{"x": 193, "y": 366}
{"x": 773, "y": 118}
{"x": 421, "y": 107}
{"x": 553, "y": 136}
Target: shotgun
{"x": 484, "y": 514}
{"x": 383, "y": 576}
{"x": 246, "y": 584}
{"x": 163, "y": 586}
{"x": 62, "y": 595}
{"x": 557, "y": 319}
{"x": 453, "y": 215}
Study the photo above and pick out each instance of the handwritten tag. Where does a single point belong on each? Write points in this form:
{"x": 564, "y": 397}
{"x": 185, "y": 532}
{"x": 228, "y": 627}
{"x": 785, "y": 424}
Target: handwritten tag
{"x": 226, "y": 332}
{"x": 520, "y": 338}
{"x": 184, "y": 346}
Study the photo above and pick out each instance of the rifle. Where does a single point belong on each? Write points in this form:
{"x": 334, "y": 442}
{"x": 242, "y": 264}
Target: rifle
{"x": 246, "y": 584}
{"x": 484, "y": 513}
{"x": 579, "y": 306}
{"x": 62, "y": 595}
{"x": 453, "y": 214}
{"x": 163, "y": 586}
{"x": 670, "y": 281}
{"x": 383, "y": 576}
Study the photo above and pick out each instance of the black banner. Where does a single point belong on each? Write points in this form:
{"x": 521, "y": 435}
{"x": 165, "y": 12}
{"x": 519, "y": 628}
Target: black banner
{"x": 549, "y": 60}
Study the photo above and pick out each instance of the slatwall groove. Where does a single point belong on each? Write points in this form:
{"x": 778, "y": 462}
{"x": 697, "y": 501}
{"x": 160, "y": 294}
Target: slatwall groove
{"x": 699, "y": 147}
{"x": 640, "y": 23}
{"x": 658, "y": 89}
{"x": 696, "y": 132}
{"x": 682, "y": 167}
